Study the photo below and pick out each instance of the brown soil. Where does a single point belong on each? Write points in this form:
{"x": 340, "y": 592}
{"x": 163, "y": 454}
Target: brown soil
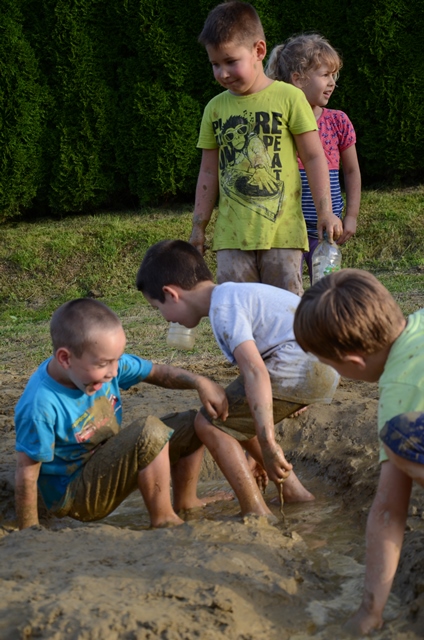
{"x": 217, "y": 576}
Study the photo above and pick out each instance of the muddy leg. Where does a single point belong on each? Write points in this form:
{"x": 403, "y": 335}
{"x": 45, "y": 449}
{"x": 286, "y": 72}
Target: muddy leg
{"x": 230, "y": 458}
{"x": 154, "y": 482}
{"x": 185, "y": 475}
{"x": 293, "y": 489}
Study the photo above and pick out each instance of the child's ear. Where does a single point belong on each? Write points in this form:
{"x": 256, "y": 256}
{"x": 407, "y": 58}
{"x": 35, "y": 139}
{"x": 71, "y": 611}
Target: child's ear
{"x": 172, "y": 292}
{"x": 63, "y": 357}
{"x": 296, "y": 80}
{"x": 260, "y": 47}
{"x": 355, "y": 359}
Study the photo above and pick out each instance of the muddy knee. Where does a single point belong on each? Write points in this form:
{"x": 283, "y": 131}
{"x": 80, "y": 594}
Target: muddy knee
{"x": 153, "y": 436}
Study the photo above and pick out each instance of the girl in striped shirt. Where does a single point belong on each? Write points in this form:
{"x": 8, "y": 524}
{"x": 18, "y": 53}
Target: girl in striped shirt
{"x": 309, "y": 62}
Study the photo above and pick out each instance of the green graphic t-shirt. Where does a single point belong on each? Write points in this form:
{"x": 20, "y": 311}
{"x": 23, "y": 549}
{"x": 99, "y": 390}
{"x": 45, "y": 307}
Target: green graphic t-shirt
{"x": 259, "y": 182}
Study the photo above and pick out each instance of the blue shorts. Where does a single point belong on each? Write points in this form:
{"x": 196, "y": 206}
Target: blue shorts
{"x": 404, "y": 435}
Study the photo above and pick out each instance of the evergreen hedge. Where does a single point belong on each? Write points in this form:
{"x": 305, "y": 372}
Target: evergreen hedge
{"x": 103, "y": 98}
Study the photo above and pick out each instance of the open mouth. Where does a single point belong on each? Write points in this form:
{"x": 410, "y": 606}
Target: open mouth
{"x": 93, "y": 386}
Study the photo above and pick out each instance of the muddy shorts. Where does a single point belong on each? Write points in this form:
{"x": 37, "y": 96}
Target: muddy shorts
{"x": 111, "y": 474}
{"x": 277, "y": 267}
{"x": 239, "y": 423}
{"x": 404, "y": 435}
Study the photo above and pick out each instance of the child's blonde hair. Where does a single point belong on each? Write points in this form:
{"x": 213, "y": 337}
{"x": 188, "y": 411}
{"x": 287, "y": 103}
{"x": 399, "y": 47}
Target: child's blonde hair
{"x": 302, "y": 54}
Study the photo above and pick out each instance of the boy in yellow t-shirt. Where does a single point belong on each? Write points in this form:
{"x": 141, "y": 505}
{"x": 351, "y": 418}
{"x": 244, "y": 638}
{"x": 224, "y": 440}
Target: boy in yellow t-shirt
{"x": 249, "y": 137}
{"x": 349, "y": 321}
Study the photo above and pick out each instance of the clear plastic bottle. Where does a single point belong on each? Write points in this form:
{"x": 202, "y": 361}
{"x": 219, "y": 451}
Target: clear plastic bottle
{"x": 326, "y": 258}
{"x": 180, "y": 337}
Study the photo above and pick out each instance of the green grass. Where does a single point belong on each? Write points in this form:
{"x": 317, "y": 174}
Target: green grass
{"x": 46, "y": 262}
{"x": 390, "y": 233}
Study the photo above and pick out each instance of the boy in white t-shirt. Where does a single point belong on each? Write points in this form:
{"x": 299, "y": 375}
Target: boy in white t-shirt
{"x": 253, "y": 325}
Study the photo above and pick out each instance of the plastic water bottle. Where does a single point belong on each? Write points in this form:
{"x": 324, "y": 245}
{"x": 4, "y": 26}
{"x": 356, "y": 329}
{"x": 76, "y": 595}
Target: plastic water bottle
{"x": 326, "y": 258}
{"x": 180, "y": 337}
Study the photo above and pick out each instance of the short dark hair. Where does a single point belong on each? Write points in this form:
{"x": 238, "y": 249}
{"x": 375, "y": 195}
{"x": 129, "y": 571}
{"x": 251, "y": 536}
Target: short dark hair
{"x": 75, "y": 324}
{"x": 346, "y": 312}
{"x": 171, "y": 262}
{"x": 232, "y": 21}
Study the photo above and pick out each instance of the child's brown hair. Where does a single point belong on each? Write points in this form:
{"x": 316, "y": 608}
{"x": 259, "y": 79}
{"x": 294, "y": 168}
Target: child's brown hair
{"x": 347, "y": 312}
{"x": 171, "y": 262}
{"x": 77, "y": 323}
{"x": 232, "y": 21}
{"x": 302, "y": 54}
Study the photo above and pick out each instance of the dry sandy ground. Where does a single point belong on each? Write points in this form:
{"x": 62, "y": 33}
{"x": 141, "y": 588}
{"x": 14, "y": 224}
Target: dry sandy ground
{"x": 216, "y": 576}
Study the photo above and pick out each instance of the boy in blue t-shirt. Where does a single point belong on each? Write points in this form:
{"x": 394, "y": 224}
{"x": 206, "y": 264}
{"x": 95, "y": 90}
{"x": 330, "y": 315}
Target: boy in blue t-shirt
{"x": 69, "y": 440}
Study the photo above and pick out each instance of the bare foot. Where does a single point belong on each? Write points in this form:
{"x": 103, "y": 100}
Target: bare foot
{"x": 218, "y": 495}
{"x": 294, "y": 491}
{"x": 199, "y": 503}
{"x": 167, "y": 521}
{"x": 298, "y": 412}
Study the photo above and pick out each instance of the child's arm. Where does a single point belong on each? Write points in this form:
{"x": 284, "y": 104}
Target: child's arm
{"x": 26, "y": 497}
{"x": 311, "y": 153}
{"x": 206, "y": 195}
{"x": 259, "y": 396}
{"x": 384, "y": 537}
{"x": 211, "y": 394}
{"x": 352, "y": 182}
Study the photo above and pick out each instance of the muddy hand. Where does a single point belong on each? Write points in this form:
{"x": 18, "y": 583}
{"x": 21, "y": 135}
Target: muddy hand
{"x": 213, "y": 398}
{"x": 332, "y": 225}
{"x": 275, "y": 463}
{"x": 258, "y": 472}
{"x": 197, "y": 239}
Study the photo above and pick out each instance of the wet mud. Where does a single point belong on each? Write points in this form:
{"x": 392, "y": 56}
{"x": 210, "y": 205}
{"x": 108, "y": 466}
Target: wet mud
{"x": 218, "y": 575}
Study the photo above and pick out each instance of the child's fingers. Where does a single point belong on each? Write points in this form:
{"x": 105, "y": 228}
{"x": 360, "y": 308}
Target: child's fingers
{"x": 211, "y": 409}
{"x": 217, "y": 410}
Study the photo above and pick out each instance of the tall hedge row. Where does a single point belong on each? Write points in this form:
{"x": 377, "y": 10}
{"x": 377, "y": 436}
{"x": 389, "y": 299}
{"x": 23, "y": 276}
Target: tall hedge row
{"x": 103, "y": 98}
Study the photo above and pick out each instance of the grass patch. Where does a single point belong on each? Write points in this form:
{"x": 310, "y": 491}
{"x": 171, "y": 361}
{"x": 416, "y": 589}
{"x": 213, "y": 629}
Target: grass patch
{"x": 46, "y": 262}
{"x": 390, "y": 233}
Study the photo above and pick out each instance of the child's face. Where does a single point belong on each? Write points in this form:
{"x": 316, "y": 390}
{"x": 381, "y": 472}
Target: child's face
{"x": 237, "y": 67}
{"x": 175, "y": 310}
{"x": 355, "y": 367}
{"x": 345, "y": 369}
{"x": 98, "y": 364}
{"x": 319, "y": 86}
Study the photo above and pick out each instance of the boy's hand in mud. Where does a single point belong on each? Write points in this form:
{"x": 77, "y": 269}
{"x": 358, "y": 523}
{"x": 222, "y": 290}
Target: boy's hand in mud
{"x": 213, "y": 398}
{"x": 275, "y": 463}
{"x": 258, "y": 473}
{"x": 363, "y": 623}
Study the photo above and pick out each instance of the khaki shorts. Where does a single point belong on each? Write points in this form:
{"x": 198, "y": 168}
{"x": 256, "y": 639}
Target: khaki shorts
{"x": 240, "y": 424}
{"x": 278, "y": 267}
{"x": 111, "y": 474}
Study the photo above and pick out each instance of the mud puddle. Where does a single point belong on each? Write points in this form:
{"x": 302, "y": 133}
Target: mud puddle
{"x": 331, "y": 545}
